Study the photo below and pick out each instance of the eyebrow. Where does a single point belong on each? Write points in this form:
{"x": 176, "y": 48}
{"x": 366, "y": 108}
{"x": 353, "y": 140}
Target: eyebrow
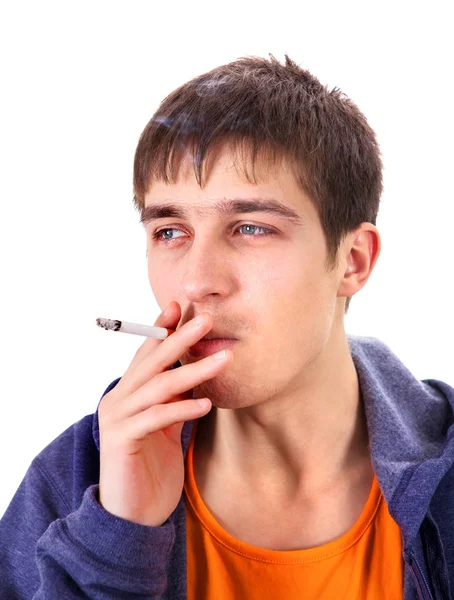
{"x": 223, "y": 208}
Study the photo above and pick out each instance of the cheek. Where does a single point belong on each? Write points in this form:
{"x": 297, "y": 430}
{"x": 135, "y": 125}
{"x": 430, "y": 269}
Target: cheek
{"x": 295, "y": 289}
{"x": 271, "y": 294}
{"x": 281, "y": 279}
{"x": 158, "y": 271}
{"x": 164, "y": 288}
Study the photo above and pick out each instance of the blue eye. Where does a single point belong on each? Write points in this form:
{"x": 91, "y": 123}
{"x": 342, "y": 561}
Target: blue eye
{"x": 157, "y": 236}
{"x": 268, "y": 231}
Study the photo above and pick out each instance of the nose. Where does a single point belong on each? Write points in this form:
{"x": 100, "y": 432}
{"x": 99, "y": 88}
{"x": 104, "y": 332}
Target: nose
{"x": 205, "y": 271}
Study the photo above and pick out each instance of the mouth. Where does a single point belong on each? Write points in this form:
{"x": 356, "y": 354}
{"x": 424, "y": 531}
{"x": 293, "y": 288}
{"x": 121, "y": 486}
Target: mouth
{"x": 212, "y": 336}
{"x": 207, "y": 346}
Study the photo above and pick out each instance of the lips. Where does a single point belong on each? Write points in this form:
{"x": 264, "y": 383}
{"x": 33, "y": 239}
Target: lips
{"x": 205, "y": 347}
{"x": 218, "y": 334}
{"x": 212, "y": 336}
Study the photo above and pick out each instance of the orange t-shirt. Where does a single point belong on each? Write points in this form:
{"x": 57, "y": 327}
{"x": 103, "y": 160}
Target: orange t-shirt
{"x": 365, "y": 563}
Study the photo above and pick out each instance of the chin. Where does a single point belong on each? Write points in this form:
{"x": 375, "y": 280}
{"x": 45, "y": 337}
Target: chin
{"x": 225, "y": 392}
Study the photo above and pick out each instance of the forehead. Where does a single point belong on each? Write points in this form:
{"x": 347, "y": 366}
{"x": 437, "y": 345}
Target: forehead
{"x": 225, "y": 181}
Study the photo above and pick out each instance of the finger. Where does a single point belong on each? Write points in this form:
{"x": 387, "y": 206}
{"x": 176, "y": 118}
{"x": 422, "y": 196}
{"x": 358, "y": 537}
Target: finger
{"x": 160, "y": 416}
{"x": 169, "y": 319}
{"x": 167, "y": 353}
{"x": 171, "y": 386}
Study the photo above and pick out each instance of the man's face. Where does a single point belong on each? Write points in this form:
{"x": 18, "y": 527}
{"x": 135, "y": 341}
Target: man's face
{"x": 270, "y": 292}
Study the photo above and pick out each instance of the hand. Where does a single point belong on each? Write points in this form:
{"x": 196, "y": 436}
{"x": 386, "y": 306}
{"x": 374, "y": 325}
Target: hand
{"x": 140, "y": 423}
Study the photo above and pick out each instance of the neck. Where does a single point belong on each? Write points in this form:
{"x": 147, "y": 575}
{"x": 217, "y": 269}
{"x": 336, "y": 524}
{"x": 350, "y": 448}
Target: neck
{"x": 300, "y": 444}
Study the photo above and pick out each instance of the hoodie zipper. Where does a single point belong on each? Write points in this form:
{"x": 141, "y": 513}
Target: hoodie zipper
{"x": 426, "y": 594}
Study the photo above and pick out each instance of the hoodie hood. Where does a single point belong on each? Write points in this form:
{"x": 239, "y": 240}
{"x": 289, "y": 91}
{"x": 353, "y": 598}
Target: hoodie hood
{"x": 410, "y": 430}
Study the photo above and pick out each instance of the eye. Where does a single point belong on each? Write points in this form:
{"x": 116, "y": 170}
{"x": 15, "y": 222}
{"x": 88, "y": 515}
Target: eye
{"x": 268, "y": 231}
{"x": 158, "y": 234}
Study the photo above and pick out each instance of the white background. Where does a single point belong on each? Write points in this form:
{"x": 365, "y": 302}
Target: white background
{"x": 79, "y": 82}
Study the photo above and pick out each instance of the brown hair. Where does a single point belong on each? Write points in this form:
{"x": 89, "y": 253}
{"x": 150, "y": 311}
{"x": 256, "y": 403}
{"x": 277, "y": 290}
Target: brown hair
{"x": 279, "y": 111}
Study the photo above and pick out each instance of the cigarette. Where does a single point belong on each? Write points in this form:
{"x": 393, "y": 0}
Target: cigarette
{"x": 157, "y": 333}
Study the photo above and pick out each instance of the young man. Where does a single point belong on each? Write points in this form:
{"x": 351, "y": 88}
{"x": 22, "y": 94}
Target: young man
{"x": 316, "y": 466}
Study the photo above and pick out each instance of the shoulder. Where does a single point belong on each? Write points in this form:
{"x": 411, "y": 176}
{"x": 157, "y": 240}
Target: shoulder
{"x": 70, "y": 463}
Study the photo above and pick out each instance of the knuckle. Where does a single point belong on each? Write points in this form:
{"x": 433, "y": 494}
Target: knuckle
{"x": 159, "y": 379}
{"x": 166, "y": 385}
{"x": 102, "y": 409}
{"x": 144, "y": 350}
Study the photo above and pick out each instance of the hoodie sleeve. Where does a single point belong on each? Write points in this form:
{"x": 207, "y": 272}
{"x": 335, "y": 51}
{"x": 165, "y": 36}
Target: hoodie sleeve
{"x": 88, "y": 554}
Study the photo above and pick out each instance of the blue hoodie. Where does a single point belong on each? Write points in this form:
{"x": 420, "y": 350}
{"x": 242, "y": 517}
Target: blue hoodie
{"x": 57, "y": 542}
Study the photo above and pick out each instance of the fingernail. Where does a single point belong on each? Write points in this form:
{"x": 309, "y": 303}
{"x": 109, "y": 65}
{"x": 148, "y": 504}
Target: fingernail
{"x": 202, "y": 403}
{"x": 197, "y": 321}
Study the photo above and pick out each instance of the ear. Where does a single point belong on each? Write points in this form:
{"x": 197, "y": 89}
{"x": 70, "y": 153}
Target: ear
{"x": 362, "y": 249}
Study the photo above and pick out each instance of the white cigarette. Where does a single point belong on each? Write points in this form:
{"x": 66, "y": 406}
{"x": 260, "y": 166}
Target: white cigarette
{"x": 158, "y": 333}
